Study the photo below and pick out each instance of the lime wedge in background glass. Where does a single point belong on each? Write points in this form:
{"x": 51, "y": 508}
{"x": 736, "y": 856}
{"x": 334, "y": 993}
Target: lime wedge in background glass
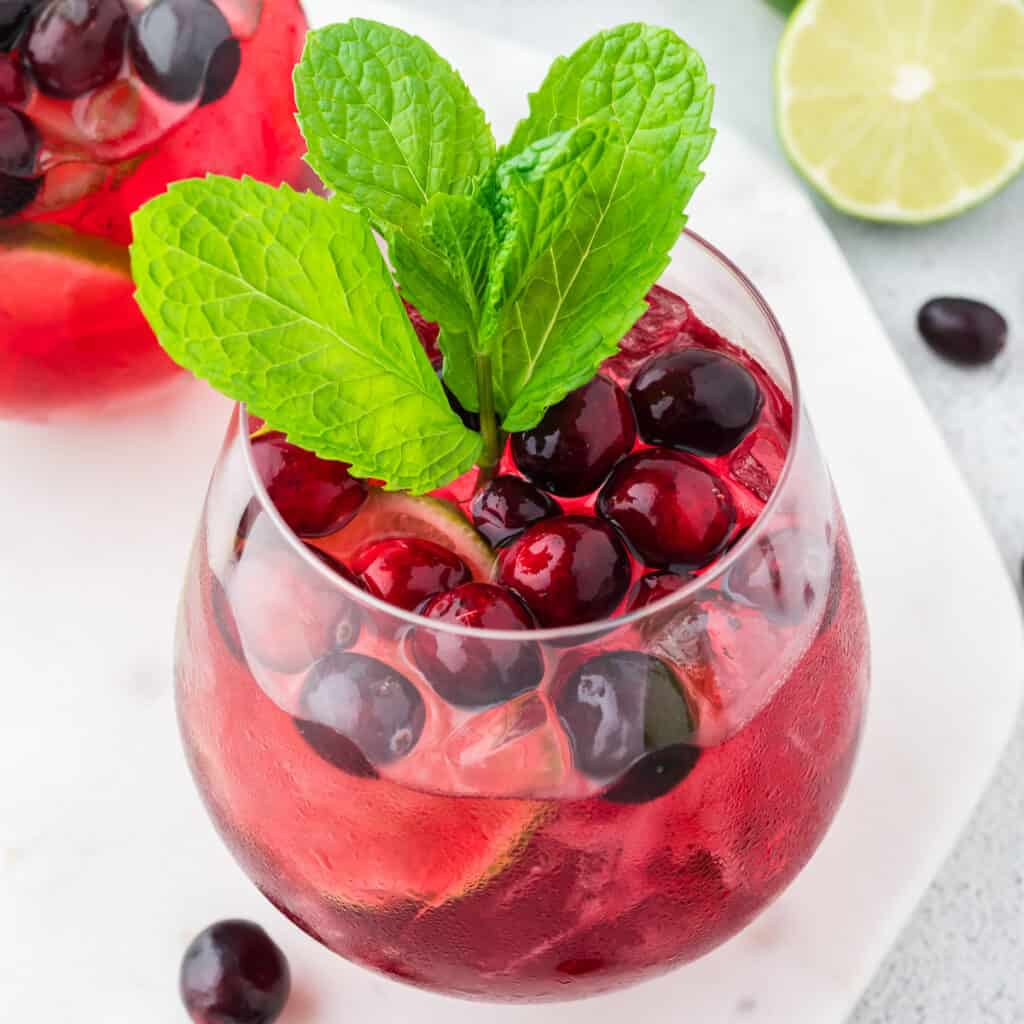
{"x": 904, "y": 110}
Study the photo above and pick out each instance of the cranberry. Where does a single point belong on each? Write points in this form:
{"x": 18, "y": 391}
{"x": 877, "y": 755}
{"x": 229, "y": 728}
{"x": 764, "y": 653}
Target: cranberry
{"x": 356, "y": 712}
{"x": 315, "y": 497}
{"x": 184, "y": 50}
{"x": 13, "y": 87}
{"x": 627, "y": 710}
{"x": 508, "y": 505}
{"x": 77, "y": 45}
{"x": 963, "y": 330}
{"x": 17, "y": 194}
{"x": 473, "y": 672}
{"x": 655, "y": 586}
{"x": 568, "y": 570}
{"x": 406, "y": 572}
{"x": 287, "y": 614}
{"x": 575, "y": 445}
{"x": 674, "y": 512}
{"x": 234, "y": 973}
{"x": 697, "y": 400}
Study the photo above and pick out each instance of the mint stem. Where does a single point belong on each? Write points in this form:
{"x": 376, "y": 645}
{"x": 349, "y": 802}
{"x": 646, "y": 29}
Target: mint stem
{"x": 491, "y": 455}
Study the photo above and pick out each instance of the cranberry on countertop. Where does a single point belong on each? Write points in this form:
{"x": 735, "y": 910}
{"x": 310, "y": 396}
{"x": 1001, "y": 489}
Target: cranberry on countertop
{"x": 963, "y": 330}
{"x": 234, "y": 973}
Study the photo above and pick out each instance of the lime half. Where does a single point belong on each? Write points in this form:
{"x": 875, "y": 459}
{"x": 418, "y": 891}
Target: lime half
{"x": 904, "y": 110}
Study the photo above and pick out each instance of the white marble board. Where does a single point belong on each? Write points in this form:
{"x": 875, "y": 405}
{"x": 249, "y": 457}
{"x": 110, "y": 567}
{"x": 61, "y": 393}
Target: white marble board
{"x": 107, "y": 863}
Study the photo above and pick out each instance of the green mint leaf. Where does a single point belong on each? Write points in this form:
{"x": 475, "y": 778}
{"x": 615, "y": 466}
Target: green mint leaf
{"x": 283, "y": 301}
{"x": 588, "y": 290}
{"x": 387, "y": 121}
{"x": 532, "y": 196}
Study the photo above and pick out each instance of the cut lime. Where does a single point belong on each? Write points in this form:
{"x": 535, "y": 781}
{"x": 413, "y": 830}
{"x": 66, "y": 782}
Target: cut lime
{"x": 388, "y": 514}
{"x": 906, "y": 111}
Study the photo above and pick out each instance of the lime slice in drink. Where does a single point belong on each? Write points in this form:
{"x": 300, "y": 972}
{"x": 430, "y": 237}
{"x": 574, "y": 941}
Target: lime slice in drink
{"x": 388, "y": 514}
{"x": 906, "y": 111}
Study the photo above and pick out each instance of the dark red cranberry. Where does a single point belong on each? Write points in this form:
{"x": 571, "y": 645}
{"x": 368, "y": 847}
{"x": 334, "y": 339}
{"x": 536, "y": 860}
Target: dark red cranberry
{"x": 76, "y": 46}
{"x": 783, "y": 575}
{"x": 655, "y": 586}
{"x": 473, "y": 672}
{"x": 13, "y": 87}
{"x": 621, "y": 707}
{"x": 695, "y": 400}
{"x": 176, "y": 44}
{"x": 654, "y": 775}
{"x": 17, "y": 194}
{"x": 963, "y": 330}
{"x": 575, "y": 445}
{"x": 234, "y": 973}
{"x": 289, "y": 615}
{"x": 568, "y": 570}
{"x": 315, "y": 497}
{"x": 508, "y": 505}
{"x": 406, "y": 572}
{"x": 357, "y": 712}
{"x": 674, "y": 512}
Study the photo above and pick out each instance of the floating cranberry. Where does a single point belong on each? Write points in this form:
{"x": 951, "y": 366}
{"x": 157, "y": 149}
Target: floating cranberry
{"x": 473, "y": 671}
{"x": 627, "y": 710}
{"x": 695, "y": 400}
{"x": 406, "y": 572}
{"x": 233, "y": 973}
{"x": 655, "y": 586}
{"x": 963, "y": 330}
{"x": 77, "y": 45}
{"x": 17, "y": 194}
{"x": 357, "y": 712}
{"x": 184, "y": 50}
{"x": 288, "y": 615}
{"x": 673, "y": 511}
{"x": 508, "y": 505}
{"x": 314, "y": 496}
{"x": 426, "y": 331}
{"x": 568, "y": 570}
{"x": 575, "y": 445}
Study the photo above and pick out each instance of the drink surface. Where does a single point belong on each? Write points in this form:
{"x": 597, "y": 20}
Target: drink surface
{"x": 102, "y": 105}
{"x": 502, "y": 846}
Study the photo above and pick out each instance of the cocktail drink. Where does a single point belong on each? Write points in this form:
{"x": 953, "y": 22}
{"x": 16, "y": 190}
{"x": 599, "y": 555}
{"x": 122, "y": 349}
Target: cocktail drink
{"x": 545, "y": 814}
{"x": 102, "y": 104}
{"x": 522, "y": 656}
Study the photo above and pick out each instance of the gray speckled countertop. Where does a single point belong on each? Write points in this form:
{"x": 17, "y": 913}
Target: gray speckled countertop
{"x": 961, "y": 958}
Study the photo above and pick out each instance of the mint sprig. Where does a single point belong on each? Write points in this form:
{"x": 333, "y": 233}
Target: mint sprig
{"x": 533, "y": 259}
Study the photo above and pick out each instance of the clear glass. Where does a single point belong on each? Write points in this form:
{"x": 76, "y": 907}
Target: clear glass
{"x": 481, "y": 863}
{"x": 71, "y": 336}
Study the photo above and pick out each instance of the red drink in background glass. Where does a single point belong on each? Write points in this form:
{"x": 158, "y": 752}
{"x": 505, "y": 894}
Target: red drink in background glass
{"x": 103, "y": 103}
{"x": 653, "y": 781}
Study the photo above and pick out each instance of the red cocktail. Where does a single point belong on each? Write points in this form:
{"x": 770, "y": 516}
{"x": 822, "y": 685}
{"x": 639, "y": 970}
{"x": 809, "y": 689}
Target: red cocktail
{"x": 102, "y": 104}
{"x": 547, "y": 737}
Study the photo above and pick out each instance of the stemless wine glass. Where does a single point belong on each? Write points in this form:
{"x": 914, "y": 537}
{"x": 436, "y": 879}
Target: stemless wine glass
{"x": 486, "y": 852}
{"x": 102, "y": 104}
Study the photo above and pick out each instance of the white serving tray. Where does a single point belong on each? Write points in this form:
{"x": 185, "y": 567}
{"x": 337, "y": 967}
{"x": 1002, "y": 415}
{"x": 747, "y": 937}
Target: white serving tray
{"x": 108, "y": 865}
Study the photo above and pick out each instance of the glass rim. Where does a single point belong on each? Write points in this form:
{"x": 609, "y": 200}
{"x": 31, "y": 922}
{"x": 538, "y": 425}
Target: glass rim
{"x": 599, "y": 626}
